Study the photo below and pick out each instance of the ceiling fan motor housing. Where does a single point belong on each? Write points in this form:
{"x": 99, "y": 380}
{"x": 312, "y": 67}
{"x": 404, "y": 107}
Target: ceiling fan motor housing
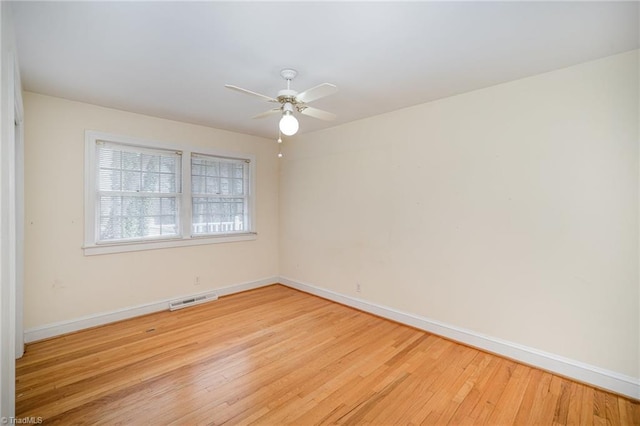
{"x": 287, "y": 95}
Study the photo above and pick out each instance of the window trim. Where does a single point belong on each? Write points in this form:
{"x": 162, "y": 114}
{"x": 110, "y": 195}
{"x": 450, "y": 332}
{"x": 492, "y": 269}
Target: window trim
{"x": 185, "y": 237}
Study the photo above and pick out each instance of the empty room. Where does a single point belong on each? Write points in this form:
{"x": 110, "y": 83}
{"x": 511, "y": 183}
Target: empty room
{"x": 320, "y": 212}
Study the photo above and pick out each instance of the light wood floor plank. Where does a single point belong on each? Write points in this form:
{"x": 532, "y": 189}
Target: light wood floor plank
{"x": 278, "y": 356}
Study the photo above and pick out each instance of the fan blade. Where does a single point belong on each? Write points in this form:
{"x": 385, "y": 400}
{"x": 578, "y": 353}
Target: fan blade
{"x": 268, "y": 113}
{"x": 320, "y": 91}
{"x": 249, "y": 92}
{"x": 318, "y": 113}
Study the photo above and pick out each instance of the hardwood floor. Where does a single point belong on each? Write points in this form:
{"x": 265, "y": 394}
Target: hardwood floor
{"x": 278, "y": 356}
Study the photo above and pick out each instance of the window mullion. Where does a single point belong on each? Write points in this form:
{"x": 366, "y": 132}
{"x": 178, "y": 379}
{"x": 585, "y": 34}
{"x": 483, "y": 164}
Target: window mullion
{"x": 186, "y": 197}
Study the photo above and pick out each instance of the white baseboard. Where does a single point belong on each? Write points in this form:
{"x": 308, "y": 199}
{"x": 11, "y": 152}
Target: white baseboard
{"x": 64, "y": 327}
{"x": 579, "y": 371}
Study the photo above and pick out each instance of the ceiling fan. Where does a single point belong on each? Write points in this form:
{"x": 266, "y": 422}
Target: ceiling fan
{"x": 291, "y": 101}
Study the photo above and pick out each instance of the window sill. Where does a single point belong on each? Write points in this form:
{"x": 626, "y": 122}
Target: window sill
{"x": 95, "y": 249}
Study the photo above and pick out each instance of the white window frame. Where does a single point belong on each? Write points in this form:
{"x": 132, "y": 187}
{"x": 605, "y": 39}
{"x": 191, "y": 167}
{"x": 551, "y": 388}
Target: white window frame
{"x": 185, "y": 237}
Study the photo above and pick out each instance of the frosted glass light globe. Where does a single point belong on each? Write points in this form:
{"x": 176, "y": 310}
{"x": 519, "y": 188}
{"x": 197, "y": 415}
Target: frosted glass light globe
{"x": 288, "y": 124}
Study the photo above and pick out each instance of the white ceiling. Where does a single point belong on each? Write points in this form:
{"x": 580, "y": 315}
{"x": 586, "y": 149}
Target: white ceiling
{"x": 172, "y": 59}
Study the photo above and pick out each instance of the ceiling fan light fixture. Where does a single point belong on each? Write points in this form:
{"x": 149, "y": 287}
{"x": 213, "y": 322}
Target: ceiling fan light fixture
{"x": 290, "y": 100}
{"x": 288, "y": 123}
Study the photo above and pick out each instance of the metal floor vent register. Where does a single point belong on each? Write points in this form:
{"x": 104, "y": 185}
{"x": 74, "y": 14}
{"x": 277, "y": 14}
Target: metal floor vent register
{"x": 192, "y": 301}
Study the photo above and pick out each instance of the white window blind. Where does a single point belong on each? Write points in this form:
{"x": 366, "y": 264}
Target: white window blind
{"x": 138, "y": 192}
{"x": 220, "y": 195}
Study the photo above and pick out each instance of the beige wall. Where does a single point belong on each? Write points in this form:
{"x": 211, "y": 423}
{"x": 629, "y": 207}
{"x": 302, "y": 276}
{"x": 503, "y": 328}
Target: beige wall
{"x": 511, "y": 211}
{"x": 63, "y": 284}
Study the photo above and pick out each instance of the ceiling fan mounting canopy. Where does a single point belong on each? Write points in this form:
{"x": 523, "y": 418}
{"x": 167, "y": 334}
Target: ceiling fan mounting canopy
{"x": 288, "y": 73}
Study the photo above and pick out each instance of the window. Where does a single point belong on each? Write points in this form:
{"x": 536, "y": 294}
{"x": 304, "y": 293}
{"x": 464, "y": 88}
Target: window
{"x": 220, "y": 191}
{"x": 143, "y": 195}
{"x": 138, "y": 192}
